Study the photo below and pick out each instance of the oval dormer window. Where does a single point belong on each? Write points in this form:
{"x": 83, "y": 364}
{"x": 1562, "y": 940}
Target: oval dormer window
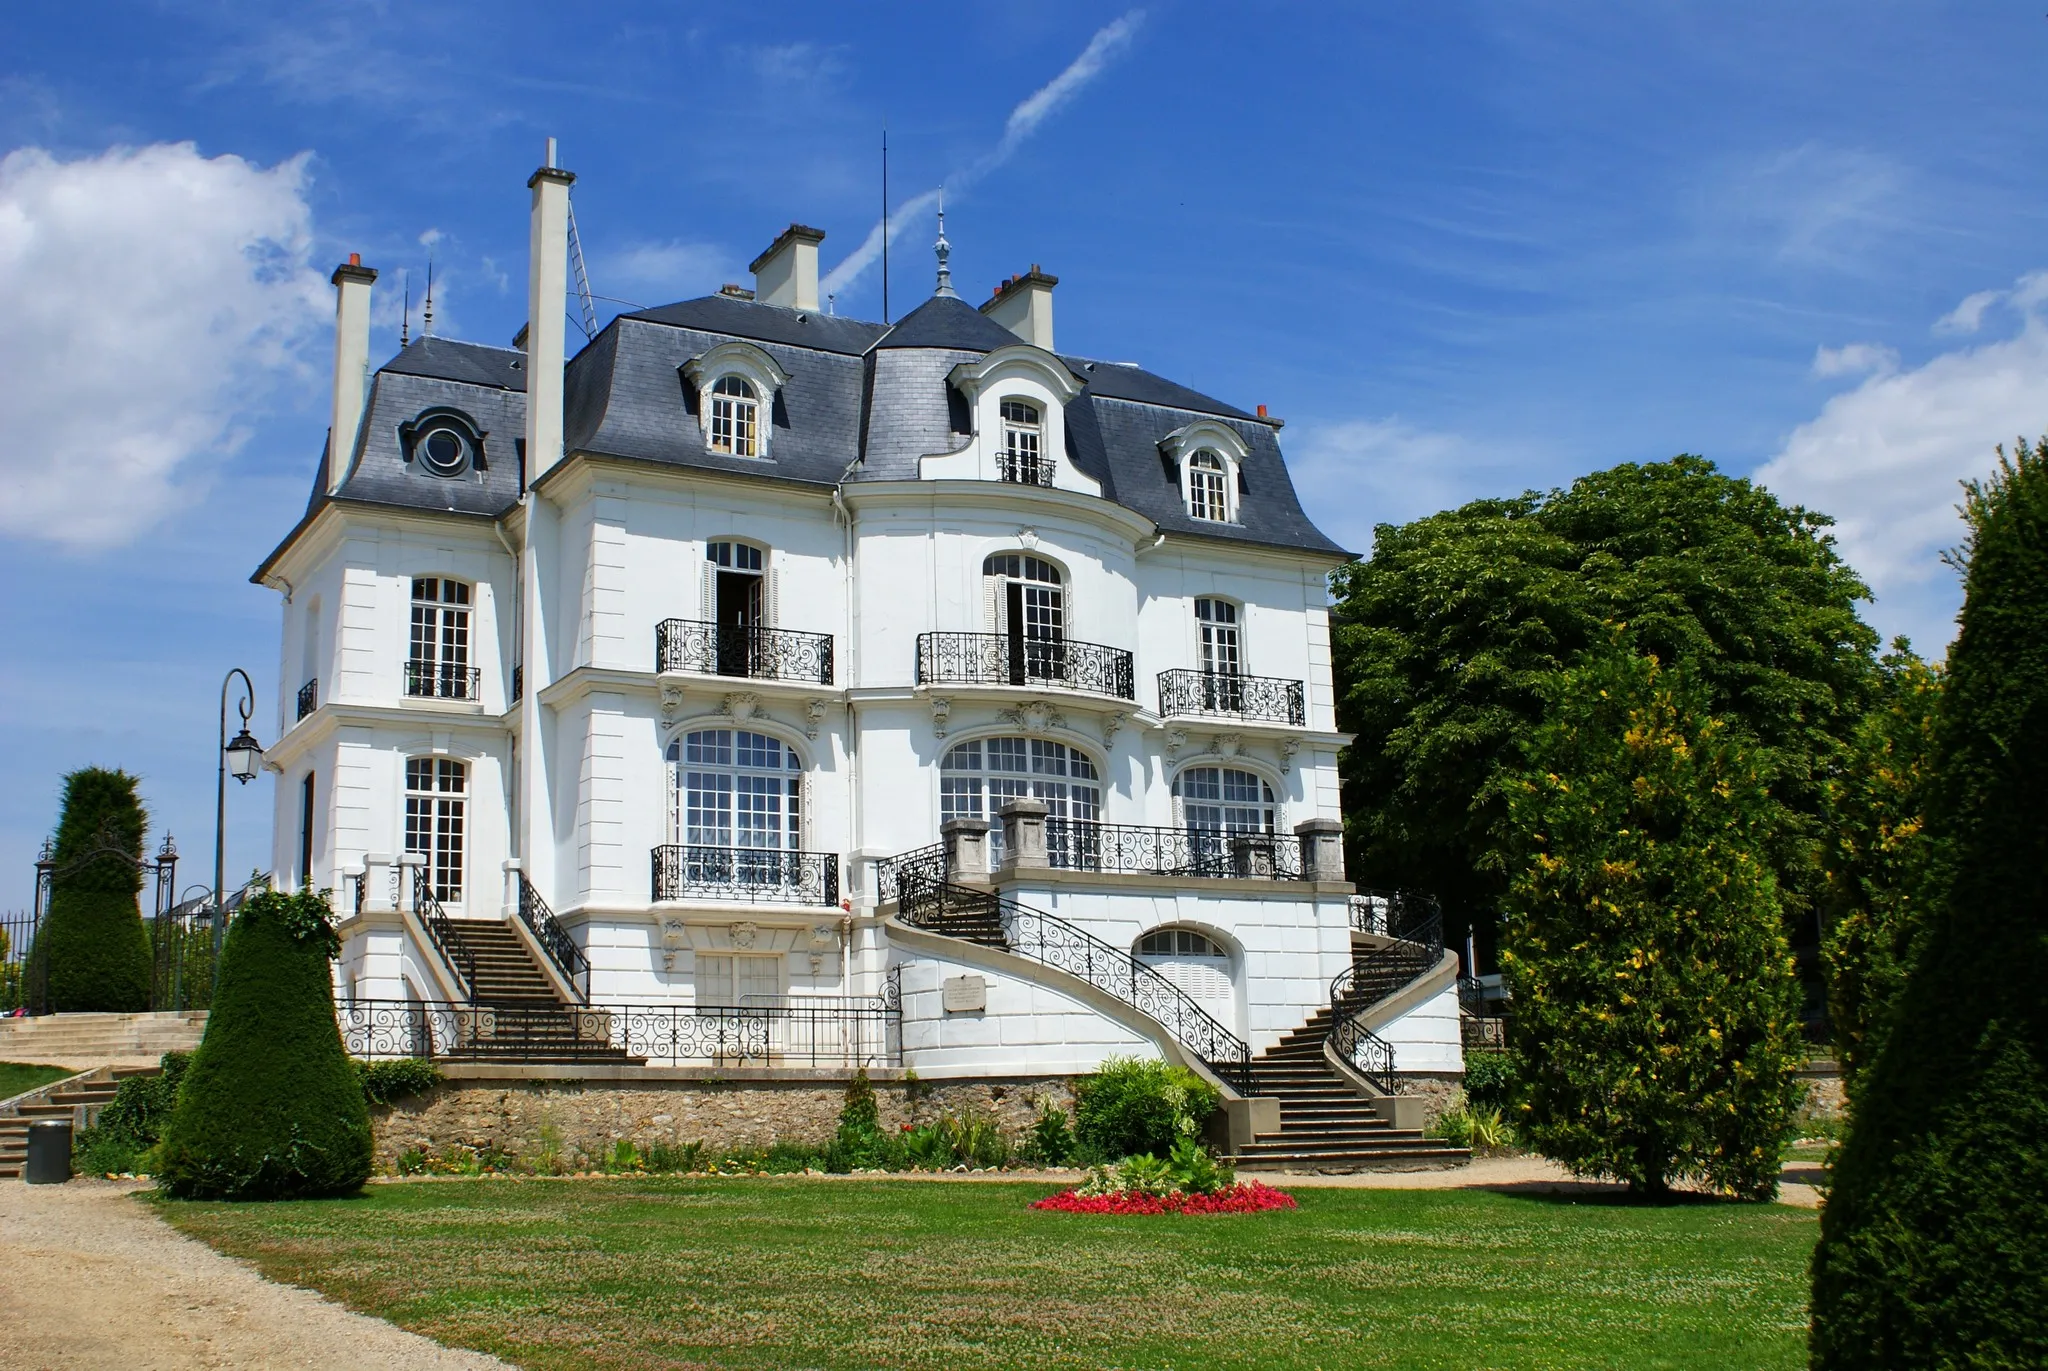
{"x": 444, "y": 450}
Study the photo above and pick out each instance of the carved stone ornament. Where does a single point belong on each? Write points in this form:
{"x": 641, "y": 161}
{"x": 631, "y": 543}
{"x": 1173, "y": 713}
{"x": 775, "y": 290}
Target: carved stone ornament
{"x": 814, "y": 717}
{"x": 1288, "y": 747}
{"x": 824, "y": 937}
{"x": 1176, "y": 739}
{"x": 671, "y": 701}
{"x": 1229, "y": 744}
{"x": 1110, "y": 724}
{"x": 817, "y": 963}
{"x": 942, "y": 710}
{"x": 741, "y": 705}
{"x": 743, "y": 935}
{"x": 1028, "y": 537}
{"x": 674, "y": 938}
{"x": 1035, "y": 717}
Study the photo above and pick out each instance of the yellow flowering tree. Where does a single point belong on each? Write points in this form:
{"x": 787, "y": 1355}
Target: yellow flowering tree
{"x": 1656, "y": 1007}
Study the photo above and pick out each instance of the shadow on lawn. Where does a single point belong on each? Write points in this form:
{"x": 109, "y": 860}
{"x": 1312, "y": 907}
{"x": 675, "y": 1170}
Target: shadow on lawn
{"x": 1605, "y": 1193}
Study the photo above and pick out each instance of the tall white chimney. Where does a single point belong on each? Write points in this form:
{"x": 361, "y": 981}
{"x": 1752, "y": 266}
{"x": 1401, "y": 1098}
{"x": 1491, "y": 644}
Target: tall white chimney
{"x": 1023, "y": 305}
{"x": 787, "y": 273}
{"x": 547, "y": 288}
{"x": 352, "y": 282}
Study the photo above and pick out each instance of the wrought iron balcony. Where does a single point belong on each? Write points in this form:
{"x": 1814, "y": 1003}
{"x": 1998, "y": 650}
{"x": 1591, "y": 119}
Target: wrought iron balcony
{"x": 443, "y": 681}
{"x": 1020, "y": 470}
{"x": 1131, "y": 849}
{"x": 1007, "y": 659}
{"x": 760, "y": 654}
{"x": 758, "y": 875}
{"x": 1257, "y": 699}
{"x": 309, "y": 697}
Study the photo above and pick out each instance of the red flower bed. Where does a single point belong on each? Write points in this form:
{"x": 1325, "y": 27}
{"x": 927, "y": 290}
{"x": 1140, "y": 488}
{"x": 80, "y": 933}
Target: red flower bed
{"x": 1246, "y": 1197}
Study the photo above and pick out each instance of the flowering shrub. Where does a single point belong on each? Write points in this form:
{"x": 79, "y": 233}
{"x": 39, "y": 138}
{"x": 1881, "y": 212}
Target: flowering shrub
{"x": 1245, "y": 1197}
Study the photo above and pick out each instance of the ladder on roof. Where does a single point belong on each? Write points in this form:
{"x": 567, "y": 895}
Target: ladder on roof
{"x": 583, "y": 297}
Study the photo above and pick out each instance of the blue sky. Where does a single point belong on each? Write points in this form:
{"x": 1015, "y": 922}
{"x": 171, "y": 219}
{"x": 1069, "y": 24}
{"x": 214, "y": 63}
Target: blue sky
{"x": 1461, "y": 249}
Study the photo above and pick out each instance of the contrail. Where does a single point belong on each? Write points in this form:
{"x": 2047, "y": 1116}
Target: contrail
{"x": 1024, "y": 120}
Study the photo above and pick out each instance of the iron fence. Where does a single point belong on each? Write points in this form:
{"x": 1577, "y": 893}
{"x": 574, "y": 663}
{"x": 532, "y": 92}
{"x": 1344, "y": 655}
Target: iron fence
{"x": 1133, "y": 849}
{"x": 1258, "y": 699}
{"x": 1013, "y": 659}
{"x": 761, "y": 654}
{"x": 753, "y": 874}
{"x": 443, "y": 681}
{"x": 825, "y": 1031}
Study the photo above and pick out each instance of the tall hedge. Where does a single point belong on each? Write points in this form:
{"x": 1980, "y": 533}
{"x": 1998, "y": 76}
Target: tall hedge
{"x": 271, "y": 1107}
{"x": 1934, "y": 1242}
{"x": 1656, "y": 1013}
{"x": 96, "y": 947}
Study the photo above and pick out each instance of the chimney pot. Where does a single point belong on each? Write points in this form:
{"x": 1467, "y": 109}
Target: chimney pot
{"x": 1262, "y": 411}
{"x": 787, "y": 273}
{"x": 1023, "y": 305}
{"x": 355, "y": 259}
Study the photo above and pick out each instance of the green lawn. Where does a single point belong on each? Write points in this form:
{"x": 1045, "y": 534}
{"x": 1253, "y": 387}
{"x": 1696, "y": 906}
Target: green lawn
{"x": 17, "y": 1077}
{"x": 763, "y": 1273}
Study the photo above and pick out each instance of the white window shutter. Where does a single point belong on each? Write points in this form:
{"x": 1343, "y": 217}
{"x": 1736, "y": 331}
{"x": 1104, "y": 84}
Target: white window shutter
{"x": 772, "y": 608}
{"x": 992, "y": 601}
{"x": 707, "y": 604}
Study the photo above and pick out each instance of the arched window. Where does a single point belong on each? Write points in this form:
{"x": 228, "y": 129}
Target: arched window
{"x": 1208, "y": 494}
{"x": 1177, "y": 942}
{"x": 1195, "y": 963}
{"x": 977, "y": 779}
{"x": 1224, "y": 801}
{"x": 436, "y": 821}
{"x": 1023, "y": 459}
{"x": 437, "y": 666}
{"x": 1030, "y": 611}
{"x": 734, "y": 788}
{"x": 735, "y": 414}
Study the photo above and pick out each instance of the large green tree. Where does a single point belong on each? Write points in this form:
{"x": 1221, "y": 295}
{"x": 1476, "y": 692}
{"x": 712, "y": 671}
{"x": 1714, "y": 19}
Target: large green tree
{"x": 97, "y": 950}
{"x": 1934, "y": 1241}
{"x": 1656, "y": 1019}
{"x": 1445, "y": 637}
{"x": 1878, "y": 856}
{"x": 271, "y": 1107}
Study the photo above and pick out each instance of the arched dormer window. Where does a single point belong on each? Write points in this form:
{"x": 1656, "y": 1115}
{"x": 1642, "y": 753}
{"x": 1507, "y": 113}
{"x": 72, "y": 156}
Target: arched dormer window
{"x": 1207, "y": 493}
{"x": 735, "y": 419}
{"x": 1023, "y": 460}
{"x": 442, "y": 442}
{"x": 735, "y": 385}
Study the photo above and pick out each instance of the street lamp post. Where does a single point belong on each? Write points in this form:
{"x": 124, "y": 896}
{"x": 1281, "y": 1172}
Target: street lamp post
{"x": 241, "y": 757}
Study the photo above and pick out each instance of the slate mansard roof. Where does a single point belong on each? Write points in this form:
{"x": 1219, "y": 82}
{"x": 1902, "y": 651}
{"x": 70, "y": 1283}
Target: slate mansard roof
{"x": 864, "y": 402}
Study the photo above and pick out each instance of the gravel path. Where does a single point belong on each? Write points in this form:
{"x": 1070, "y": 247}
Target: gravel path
{"x": 89, "y": 1277}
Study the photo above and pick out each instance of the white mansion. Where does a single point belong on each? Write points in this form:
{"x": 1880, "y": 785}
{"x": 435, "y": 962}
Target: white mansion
{"x": 763, "y": 688}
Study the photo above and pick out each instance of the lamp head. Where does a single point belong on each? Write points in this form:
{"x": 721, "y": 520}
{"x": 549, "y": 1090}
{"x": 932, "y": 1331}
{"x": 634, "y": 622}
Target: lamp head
{"x": 245, "y": 754}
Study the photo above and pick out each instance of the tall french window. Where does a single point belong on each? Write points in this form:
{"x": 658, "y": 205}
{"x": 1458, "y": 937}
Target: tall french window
{"x": 1206, "y": 491}
{"x": 1023, "y": 458}
{"x": 438, "y": 665}
{"x": 436, "y": 820}
{"x": 734, "y": 418}
{"x": 1222, "y": 659}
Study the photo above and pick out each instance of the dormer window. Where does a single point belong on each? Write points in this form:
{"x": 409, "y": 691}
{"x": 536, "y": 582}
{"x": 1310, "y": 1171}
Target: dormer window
{"x": 735, "y": 418}
{"x": 1207, "y": 488}
{"x": 443, "y": 442}
{"x": 1022, "y": 459}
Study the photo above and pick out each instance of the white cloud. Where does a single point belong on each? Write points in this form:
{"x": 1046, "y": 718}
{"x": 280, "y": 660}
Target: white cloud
{"x": 1968, "y": 316}
{"x": 1855, "y": 359}
{"x": 149, "y": 298}
{"x": 1356, "y": 473}
{"x": 670, "y": 269}
{"x": 1885, "y": 458}
{"x": 1024, "y": 120}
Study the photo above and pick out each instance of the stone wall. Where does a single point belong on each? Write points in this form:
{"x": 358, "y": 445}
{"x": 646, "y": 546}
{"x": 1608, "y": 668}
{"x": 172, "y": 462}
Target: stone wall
{"x": 1439, "y": 1090}
{"x": 525, "y": 1117}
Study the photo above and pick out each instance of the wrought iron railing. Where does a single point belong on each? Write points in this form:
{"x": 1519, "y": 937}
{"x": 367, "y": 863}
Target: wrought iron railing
{"x": 1080, "y": 845}
{"x": 1052, "y": 941}
{"x": 1414, "y": 927}
{"x": 1259, "y": 699}
{"x": 309, "y": 697}
{"x": 926, "y": 863}
{"x": 443, "y": 681}
{"x": 1024, "y": 469}
{"x": 1396, "y": 914}
{"x": 825, "y": 1031}
{"x": 1370, "y": 1055}
{"x": 1011, "y": 659}
{"x": 554, "y": 939}
{"x": 455, "y": 953}
{"x": 762, "y": 875}
{"x": 761, "y": 654}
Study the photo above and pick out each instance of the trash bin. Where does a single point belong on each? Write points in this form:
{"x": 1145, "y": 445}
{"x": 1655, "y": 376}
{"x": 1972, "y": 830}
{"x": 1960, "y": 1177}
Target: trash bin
{"x": 49, "y": 1152}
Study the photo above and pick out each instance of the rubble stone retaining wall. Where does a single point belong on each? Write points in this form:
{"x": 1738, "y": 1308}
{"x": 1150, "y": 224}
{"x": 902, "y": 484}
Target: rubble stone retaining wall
{"x": 527, "y": 1118}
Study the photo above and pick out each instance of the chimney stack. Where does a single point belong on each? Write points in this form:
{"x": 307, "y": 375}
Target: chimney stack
{"x": 1023, "y": 305}
{"x": 547, "y": 284}
{"x": 352, "y": 282}
{"x": 787, "y": 273}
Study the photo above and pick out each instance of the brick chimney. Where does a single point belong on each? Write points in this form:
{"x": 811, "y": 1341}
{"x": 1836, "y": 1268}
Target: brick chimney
{"x": 1023, "y": 305}
{"x": 787, "y": 273}
{"x": 352, "y": 281}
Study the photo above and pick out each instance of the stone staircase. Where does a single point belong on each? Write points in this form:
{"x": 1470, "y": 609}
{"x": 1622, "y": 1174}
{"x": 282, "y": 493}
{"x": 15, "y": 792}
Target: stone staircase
{"x": 83, "y": 1041}
{"x": 1325, "y": 1123}
{"x": 79, "y": 1099}
{"x": 519, "y": 1014}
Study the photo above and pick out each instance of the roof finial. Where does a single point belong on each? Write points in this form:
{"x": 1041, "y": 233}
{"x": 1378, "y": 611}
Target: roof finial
{"x": 405, "y": 314}
{"x": 427, "y": 315}
{"x": 945, "y": 251}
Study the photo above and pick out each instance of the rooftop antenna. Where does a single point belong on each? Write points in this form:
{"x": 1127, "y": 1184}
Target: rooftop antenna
{"x": 945, "y": 251}
{"x": 427, "y": 316}
{"x": 405, "y": 317}
{"x": 589, "y": 321}
{"x": 885, "y": 223}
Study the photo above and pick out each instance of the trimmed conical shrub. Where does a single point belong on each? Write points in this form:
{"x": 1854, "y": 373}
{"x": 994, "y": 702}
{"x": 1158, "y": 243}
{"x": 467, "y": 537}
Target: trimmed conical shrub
{"x": 1934, "y": 1242}
{"x": 271, "y": 1107}
{"x": 94, "y": 945}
